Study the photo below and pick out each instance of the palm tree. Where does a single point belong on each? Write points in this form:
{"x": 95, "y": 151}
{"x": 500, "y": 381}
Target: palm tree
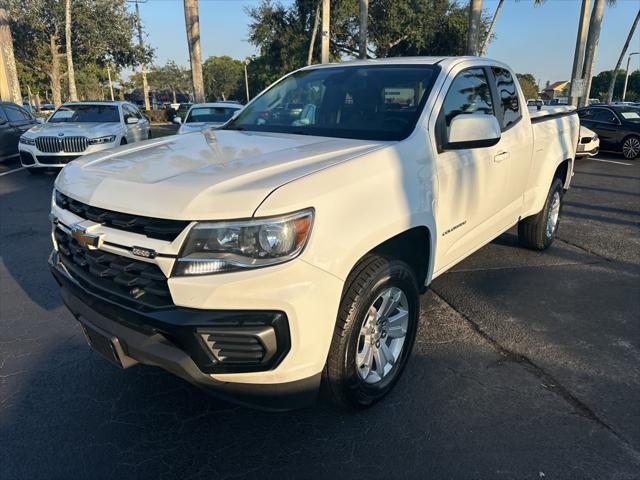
{"x": 192, "y": 21}
{"x": 578, "y": 57}
{"x": 591, "y": 47}
{"x": 624, "y": 50}
{"x": 364, "y": 20}
{"x": 7, "y": 60}
{"x": 71, "y": 76}
{"x": 314, "y": 33}
{"x": 473, "y": 35}
{"x": 485, "y": 44}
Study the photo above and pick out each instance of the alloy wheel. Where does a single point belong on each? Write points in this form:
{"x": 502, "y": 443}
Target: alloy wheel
{"x": 554, "y": 214}
{"x": 631, "y": 147}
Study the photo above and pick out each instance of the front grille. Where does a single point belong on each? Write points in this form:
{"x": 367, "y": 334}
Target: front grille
{"x": 61, "y": 144}
{"x": 56, "y": 159}
{"x": 26, "y": 158}
{"x": 151, "y": 227}
{"x": 139, "y": 283}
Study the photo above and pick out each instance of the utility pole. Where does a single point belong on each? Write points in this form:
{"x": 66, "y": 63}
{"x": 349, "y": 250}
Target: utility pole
{"x": 192, "y": 21}
{"x": 143, "y": 66}
{"x": 578, "y": 57}
{"x": 246, "y": 77}
{"x": 473, "y": 33}
{"x": 626, "y": 77}
{"x": 110, "y": 83}
{"x": 364, "y": 20}
{"x": 314, "y": 32}
{"x": 624, "y": 50}
{"x": 9, "y": 85}
{"x": 326, "y": 15}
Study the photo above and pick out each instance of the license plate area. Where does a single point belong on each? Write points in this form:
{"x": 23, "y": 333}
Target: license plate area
{"x": 107, "y": 345}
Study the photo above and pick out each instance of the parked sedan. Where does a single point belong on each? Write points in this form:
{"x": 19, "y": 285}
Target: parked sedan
{"x": 589, "y": 143}
{"x": 80, "y": 128}
{"x": 617, "y": 126}
{"x": 14, "y": 121}
{"x": 206, "y": 115}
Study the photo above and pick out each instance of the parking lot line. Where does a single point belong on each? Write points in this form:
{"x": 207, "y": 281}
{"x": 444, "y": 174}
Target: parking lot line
{"x": 611, "y": 161}
{"x": 11, "y": 171}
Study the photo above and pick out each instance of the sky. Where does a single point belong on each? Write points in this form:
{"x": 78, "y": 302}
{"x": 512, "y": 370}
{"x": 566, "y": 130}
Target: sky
{"x": 537, "y": 40}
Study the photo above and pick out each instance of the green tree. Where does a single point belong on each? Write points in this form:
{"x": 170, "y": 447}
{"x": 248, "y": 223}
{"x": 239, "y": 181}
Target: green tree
{"x": 528, "y": 85}
{"x": 601, "y": 82}
{"x": 170, "y": 77}
{"x": 223, "y": 78}
{"x": 39, "y": 25}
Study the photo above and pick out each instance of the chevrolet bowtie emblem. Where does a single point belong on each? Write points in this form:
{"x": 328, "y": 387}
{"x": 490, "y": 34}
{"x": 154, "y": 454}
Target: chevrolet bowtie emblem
{"x": 82, "y": 233}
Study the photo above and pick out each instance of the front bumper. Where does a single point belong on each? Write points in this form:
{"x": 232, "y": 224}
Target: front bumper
{"x": 31, "y": 157}
{"x": 160, "y": 338}
{"x": 590, "y": 149}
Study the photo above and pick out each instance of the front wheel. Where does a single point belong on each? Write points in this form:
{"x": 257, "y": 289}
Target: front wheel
{"x": 538, "y": 231}
{"x": 631, "y": 147}
{"x": 374, "y": 333}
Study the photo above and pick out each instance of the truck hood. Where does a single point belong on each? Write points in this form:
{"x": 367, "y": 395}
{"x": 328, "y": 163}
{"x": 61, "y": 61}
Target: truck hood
{"x": 85, "y": 129}
{"x": 208, "y": 175}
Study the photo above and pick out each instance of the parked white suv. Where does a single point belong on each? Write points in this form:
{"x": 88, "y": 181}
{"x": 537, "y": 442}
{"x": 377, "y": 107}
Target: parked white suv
{"x": 80, "y": 128}
{"x": 261, "y": 259}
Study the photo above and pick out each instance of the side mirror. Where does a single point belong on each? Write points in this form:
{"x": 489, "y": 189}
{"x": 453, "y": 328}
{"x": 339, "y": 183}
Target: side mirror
{"x": 474, "y": 130}
{"x": 132, "y": 120}
{"x": 177, "y": 120}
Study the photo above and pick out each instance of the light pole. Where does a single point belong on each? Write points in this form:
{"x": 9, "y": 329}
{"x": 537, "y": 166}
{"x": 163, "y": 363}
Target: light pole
{"x": 246, "y": 77}
{"x": 626, "y": 77}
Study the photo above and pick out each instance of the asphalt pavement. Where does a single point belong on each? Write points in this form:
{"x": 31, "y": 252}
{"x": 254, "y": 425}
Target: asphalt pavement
{"x": 526, "y": 366}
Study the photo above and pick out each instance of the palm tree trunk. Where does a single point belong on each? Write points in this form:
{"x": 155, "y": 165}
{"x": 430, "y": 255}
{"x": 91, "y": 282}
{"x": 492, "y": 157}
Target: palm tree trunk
{"x": 578, "y": 57}
{"x": 71, "y": 76}
{"x": 314, "y": 33}
{"x": 364, "y": 20}
{"x": 192, "y": 21}
{"x": 326, "y": 25}
{"x": 487, "y": 39}
{"x": 473, "y": 34}
{"x": 7, "y": 59}
{"x": 624, "y": 50}
{"x": 54, "y": 73}
{"x": 591, "y": 49}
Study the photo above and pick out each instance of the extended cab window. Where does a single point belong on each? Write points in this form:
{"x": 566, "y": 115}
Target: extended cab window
{"x": 508, "y": 94}
{"x": 469, "y": 93}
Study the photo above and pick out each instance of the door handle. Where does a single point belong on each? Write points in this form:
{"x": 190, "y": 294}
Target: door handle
{"x": 498, "y": 157}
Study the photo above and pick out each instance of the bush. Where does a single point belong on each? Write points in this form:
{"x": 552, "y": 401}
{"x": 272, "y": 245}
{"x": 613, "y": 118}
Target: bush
{"x": 157, "y": 116}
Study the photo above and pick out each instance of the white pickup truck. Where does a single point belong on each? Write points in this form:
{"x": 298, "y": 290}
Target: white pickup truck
{"x": 289, "y": 249}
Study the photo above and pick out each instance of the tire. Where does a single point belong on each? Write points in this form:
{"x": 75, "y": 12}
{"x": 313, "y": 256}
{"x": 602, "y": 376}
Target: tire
{"x": 538, "y": 231}
{"x": 149, "y": 135}
{"x": 123, "y": 141}
{"x": 352, "y": 386}
{"x": 631, "y": 147}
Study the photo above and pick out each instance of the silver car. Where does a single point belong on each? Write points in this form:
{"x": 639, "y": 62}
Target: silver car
{"x": 207, "y": 115}
{"x": 80, "y": 128}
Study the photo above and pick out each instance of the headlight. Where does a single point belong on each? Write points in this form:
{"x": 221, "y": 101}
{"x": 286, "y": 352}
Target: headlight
{"x": 27, "y": 141}
{"x": 216, "y": 247}
{"x": 101, "y": 140}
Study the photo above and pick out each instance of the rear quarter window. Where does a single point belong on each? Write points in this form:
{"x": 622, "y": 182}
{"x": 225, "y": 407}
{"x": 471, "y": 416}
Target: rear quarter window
{"x": 508, "y": 96}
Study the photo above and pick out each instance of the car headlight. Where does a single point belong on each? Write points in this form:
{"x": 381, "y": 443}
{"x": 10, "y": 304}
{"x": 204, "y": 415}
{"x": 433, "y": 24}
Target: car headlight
{"x": 101, "y": 140}
{"x": 27, "y": 140}
{"x": 216, "y": 247}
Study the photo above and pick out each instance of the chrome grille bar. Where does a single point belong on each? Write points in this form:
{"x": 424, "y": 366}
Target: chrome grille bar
{"x": 61, "y": 144}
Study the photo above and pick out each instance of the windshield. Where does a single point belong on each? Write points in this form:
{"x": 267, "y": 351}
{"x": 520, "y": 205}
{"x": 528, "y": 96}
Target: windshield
{"x": 210, "y": 114}
{"x": 381, "y": 102}
{"x": 85, "y": 113}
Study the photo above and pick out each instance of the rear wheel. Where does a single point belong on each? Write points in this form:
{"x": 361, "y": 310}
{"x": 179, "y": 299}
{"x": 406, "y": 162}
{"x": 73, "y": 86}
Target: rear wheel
{"x": 538, "y": 231}
{"x": 123, "y": 141}
{"x": 374, "y": 333}
{"x": 631, "y": 147}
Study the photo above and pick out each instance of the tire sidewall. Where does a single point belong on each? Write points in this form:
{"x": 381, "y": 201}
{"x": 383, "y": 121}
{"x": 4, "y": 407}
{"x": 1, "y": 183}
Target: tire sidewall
{"x": 556, "y": 186}
{"x": 397, "y": 275}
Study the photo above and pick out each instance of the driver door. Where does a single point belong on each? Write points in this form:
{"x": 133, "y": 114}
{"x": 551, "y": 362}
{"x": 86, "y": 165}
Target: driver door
{"x": 471, "y": 195}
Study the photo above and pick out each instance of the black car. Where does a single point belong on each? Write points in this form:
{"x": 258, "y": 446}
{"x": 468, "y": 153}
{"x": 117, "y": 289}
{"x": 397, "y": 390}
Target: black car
{"x": 14, "y": 121}
{"x": 618, "y": 127}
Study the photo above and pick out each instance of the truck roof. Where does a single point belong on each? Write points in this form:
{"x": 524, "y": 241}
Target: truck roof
{"x": 444, "y": 61}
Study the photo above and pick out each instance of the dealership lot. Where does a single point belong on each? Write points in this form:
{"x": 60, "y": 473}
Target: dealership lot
{"x": 527, "y": 365}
